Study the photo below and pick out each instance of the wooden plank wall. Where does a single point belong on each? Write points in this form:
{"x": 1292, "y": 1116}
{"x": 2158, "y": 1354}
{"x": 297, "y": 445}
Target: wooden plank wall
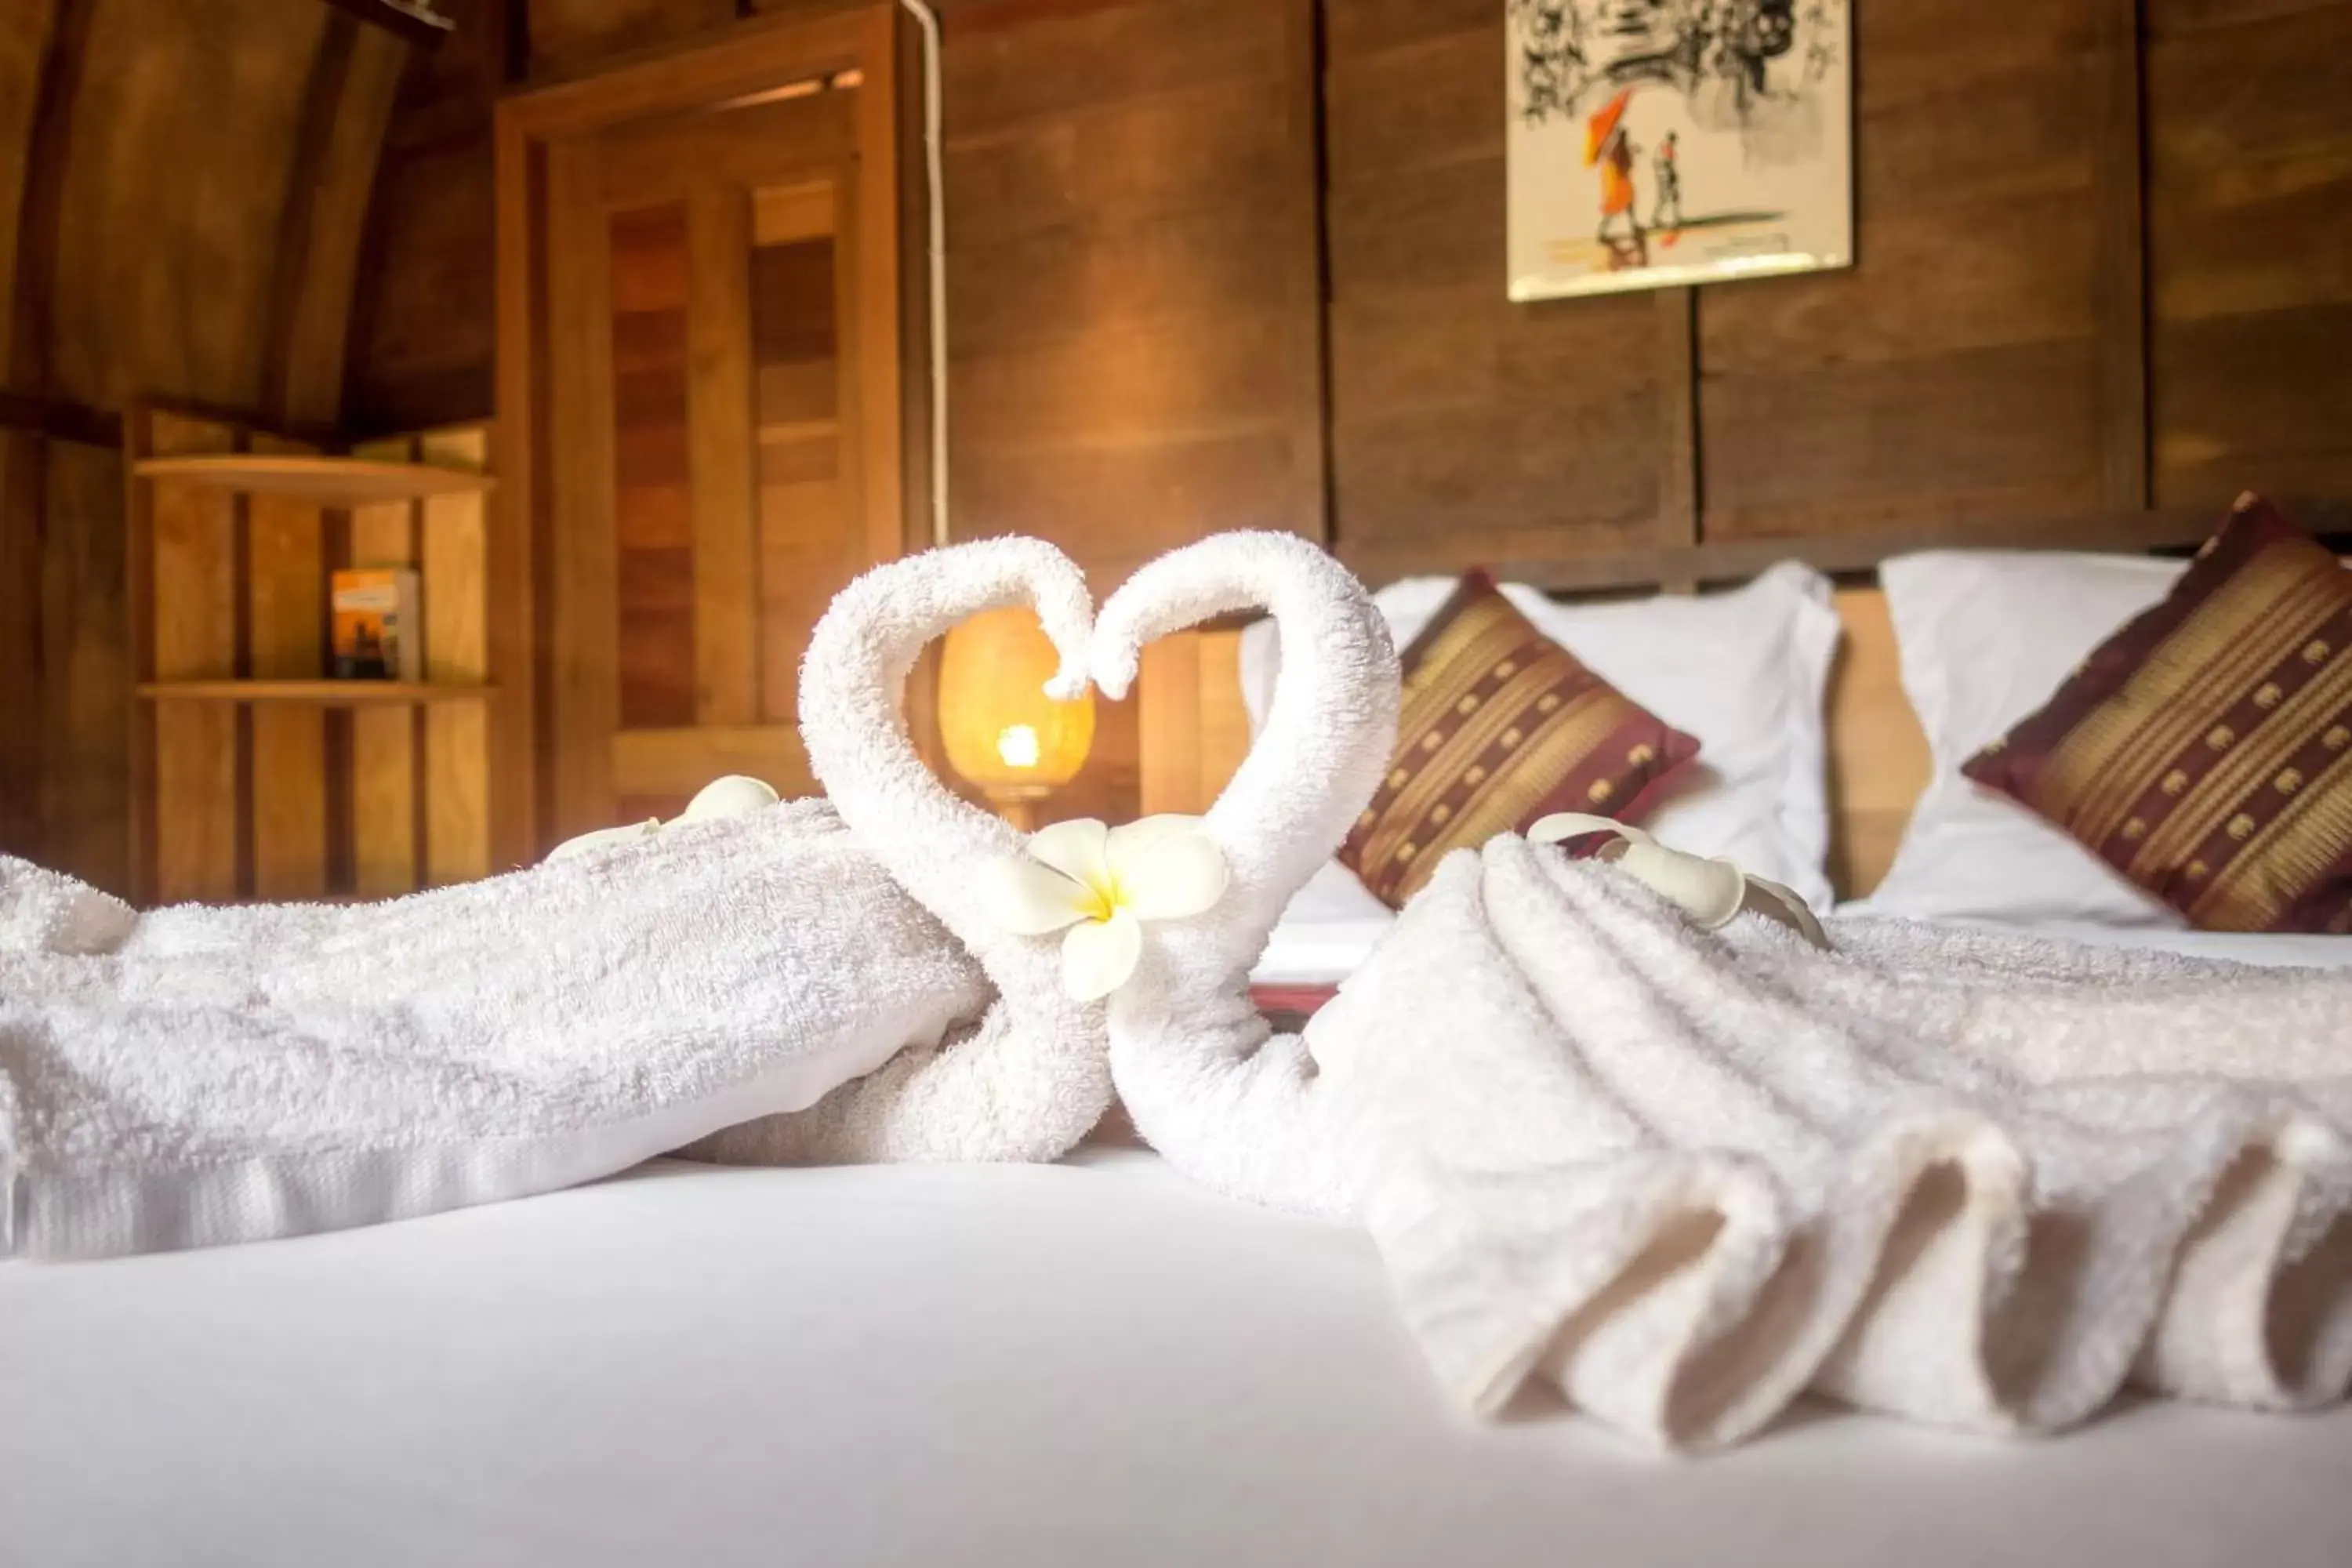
{"x": 2250, "y": 246}
{"x": 180, "y": 189}
{"x": 1455, "y": 415}
{"x": 1133, "y": 295}
{"x": 1164, "y": 214}
{"x": 2105, "y": 260}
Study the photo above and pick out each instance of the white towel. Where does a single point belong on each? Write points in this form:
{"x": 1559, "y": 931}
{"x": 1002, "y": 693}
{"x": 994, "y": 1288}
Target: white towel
{"x": 1968, "y": 1178}
{"x": 230, "y": 1075}
{"x": 772, "y": 988}
{"x": 1684, "y": 1175}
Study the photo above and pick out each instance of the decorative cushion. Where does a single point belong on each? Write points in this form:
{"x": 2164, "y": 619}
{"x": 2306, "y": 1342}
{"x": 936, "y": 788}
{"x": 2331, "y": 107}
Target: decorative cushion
{"x": 1985, "y": 636}
{"x": 1500, "y": 725}
{"x": 2205, "y": 750}
{"x": 1746, "y": 670}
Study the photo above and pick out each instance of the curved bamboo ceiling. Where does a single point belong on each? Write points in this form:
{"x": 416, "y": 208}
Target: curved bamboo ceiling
{"x": 183, "y": 190}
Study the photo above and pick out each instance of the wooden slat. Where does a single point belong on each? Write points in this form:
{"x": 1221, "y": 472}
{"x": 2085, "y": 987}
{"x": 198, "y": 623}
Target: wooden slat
{"x": 285, "y": 587}
{"x": 1064, "y": 58}
{"x": 1678, "y": 458}
{"x": 1193, "y": 730}
{"x": 664, "y": 159}
{"x": 89, "y": 732}
{"x": 784, "y": 214}
{"x": 1167, "y": 722}
{"x": 24, "y": 500}
{"x": 870, "y": 307}
{"x": 322, "y": 694}
{"x": 583, "y": 695}
{"x": 1306, "y": 390}
{"x": 1878, "y": 753}
{"x": 1980, "y": 437}
{"x": 321, "y": 480}
{"x": 41, "y": 77}
{"x": 570, "y": 32}
{"x": 518, "y": 551}
{"x": 456, "y": 590}
{"x": 752, "y": 58}
{"x": 720, "y": 458}
{"x": 2175, "y": 529}
{"x": 60, "y": 420}
{"x": 354, "y": 77}
{"x": 194, "y": 609}
{"x": 680, "y": 761}
{"x": 384, "y": 860}
{"x": 2121, "y": 242}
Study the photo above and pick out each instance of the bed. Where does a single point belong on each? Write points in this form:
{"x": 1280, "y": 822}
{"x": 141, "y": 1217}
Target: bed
{"x": 1087, "y": 1364}
{"x": 1091, "y": 1362}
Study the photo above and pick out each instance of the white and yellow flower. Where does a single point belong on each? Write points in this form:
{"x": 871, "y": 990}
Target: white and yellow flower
{"x": 1710, "y": 891}
{"x": 1100, "y": 885}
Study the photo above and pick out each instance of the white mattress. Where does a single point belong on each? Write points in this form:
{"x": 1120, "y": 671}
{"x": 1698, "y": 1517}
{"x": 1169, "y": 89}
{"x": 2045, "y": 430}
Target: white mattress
{"x": 1087, "y": 1365}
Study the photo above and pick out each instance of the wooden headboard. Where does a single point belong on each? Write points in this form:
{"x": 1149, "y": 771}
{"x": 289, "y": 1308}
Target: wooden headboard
{"x": 1194, "y": 731}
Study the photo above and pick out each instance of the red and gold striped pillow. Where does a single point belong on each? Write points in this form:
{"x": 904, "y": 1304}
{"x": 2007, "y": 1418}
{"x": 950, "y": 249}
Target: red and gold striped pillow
{"x": 2205, "y": 750}
{"x": 1500, "y": 725}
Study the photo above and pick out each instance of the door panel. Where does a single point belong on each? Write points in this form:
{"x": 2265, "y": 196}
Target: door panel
{"x": 712, "y": 436}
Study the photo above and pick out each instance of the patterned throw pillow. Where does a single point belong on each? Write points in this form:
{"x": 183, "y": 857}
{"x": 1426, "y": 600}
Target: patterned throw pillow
{"x": 1500, "y": 725}
{"x": 2205, "y": 750}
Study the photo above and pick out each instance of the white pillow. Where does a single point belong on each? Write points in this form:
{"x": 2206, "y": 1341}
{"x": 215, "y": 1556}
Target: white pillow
{"x": 1985, "y": 638}
{"x": 1746, "y": 672}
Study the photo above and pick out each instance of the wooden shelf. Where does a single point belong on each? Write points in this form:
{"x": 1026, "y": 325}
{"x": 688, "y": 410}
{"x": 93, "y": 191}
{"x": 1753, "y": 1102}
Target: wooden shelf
{"x": 317, "y": 693}
{"x": 327, "y": 482}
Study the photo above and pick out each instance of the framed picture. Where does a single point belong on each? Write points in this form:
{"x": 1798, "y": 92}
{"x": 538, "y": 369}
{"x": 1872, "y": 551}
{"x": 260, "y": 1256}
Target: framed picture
{"x": 1658, "y": 143}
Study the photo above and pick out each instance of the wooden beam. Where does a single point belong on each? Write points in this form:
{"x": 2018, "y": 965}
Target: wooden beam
{"x": 1309, "y": 271}
{"x": 26, "y": 749}
{"x": 2128, "y": 533}
{"x": 346, "y": 107}
{"x": 397, "y": 20}
{"x": 60, "y": 420}
{"x": 1678, "y": 458}
{"x": 2119, "y": 203}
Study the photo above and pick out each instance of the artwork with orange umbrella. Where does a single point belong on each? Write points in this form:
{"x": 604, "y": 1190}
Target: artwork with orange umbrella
{"x": 1660, "y": 143}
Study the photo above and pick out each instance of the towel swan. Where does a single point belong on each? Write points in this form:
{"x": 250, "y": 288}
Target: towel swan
{"x": 1685, "y": 1165}
{"x": 1208, "y": 1082}
{"x": 1030, "y": 1077}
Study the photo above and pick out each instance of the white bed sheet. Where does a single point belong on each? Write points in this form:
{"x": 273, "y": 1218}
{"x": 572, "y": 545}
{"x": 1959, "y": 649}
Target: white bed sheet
{"x": 1093, "y": 1364}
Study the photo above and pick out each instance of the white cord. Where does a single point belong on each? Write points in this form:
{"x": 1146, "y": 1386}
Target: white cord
{"x": 934, "y": 171}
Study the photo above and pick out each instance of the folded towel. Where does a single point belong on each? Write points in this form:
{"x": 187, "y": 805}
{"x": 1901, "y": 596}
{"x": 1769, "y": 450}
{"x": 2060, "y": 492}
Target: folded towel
{"x": 1968, "y": 1178}
{"x": 228, "y": 1075}
{"x": 1683, "y": 1174}
{"x": 772, "y": 987}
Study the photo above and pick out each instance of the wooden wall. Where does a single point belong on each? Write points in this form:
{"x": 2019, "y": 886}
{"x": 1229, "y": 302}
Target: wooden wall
{"x": 181, "y": 190}
{"x": 2106, "y": 260}
{"x": 1134, "y": 287}
{"x": 2250, "y": 245}
{"x": 1220, "y": 262}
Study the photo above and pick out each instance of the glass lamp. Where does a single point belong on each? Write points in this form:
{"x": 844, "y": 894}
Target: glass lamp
{"x": 1003, "y": 734}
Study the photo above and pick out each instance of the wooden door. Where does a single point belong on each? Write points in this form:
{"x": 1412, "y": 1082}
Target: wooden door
{"x": 722, "y": 424}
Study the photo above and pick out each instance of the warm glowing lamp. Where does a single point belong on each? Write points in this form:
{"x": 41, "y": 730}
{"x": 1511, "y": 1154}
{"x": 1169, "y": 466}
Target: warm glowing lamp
{"x": 1003, "y": 734}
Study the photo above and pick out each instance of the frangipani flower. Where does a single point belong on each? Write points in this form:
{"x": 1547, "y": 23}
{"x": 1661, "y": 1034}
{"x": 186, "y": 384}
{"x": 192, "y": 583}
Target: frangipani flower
{"x": 1100, "y": 884}
{"x": 1710, "y": 891}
